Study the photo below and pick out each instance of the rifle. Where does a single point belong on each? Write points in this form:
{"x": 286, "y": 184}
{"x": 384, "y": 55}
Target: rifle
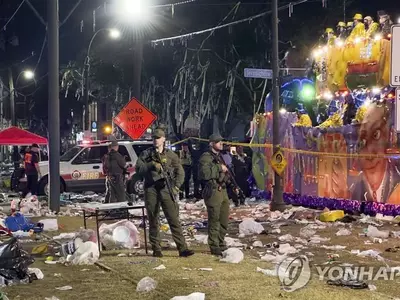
{"x": 165, "y": 175}
{"x": 241, "y": 195}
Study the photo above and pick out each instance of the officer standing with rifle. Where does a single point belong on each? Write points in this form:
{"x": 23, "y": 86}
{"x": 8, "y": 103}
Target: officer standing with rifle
{"x": 216, "y": 178}
{"x": 163, "y": 176}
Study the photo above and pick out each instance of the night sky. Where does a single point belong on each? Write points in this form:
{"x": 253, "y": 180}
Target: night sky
{"x": 303, "y": 28}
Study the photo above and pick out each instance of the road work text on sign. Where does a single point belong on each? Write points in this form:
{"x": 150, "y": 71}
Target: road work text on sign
{"x": 134, "y": 119}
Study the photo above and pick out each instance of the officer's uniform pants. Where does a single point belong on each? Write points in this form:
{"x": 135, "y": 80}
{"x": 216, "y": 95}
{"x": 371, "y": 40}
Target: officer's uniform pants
{"x": 108, "y": 190}
{"x": 154, "y": 199}
{"x": 117, "y": 188}
{"x": 186, "y": 183}
{"x": 218, "y": 218}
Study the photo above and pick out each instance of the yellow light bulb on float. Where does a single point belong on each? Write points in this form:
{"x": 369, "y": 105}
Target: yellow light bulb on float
{"x": 339, "y": 43}
{"x": 317, "y": 53}
{"x": 325, "y": 49}
{"x": 283, "y": 111}
{"x": 376, "y": 90}
{"x": 357, "y": 40}
{"x": 378, "y": 37}
{"x": 328, "y": 95}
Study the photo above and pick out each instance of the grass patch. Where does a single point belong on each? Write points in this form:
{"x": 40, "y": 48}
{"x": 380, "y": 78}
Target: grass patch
{"x": 225, "y": 281}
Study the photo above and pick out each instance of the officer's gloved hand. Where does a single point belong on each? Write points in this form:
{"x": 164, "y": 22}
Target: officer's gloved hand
{"x": 157, "y": 166}
{"x": 176, "y": 190}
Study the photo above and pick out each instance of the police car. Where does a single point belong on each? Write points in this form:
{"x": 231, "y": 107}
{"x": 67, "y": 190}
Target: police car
{"x": 81, "y": 168}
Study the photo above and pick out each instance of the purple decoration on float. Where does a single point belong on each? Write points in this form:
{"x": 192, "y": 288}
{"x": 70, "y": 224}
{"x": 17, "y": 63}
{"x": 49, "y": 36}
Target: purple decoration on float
{"x": 349, "y": 206}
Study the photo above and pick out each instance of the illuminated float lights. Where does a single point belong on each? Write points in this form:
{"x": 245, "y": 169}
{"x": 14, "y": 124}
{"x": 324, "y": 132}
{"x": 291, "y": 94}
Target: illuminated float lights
{"x": 321, "y": 50}
{"x": 383, "y": 93}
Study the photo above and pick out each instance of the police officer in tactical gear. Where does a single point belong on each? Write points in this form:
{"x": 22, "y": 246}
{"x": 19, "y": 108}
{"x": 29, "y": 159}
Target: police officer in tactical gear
{"x": 215, "y": 179}
{"x": 157, "y": 165}
{"x": 115, "y": 166}
{"x": 105, "y": 172}
{"x": 186, "y": 161}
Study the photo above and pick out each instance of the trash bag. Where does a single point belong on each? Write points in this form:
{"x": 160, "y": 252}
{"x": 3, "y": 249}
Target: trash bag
{"x": 14, "y": 261}
{"x": 146, "y": 284}
{"x": 122, "y": 234}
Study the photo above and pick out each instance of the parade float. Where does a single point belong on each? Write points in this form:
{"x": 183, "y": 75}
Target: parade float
{"x": 336, "y": 127}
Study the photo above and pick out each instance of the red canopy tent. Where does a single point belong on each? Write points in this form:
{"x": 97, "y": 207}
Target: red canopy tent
{"x": 15, "y": 136}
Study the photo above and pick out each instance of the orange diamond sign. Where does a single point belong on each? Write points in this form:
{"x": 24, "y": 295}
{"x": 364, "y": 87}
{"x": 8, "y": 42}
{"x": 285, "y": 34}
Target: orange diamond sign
{"x": 134, "y": 119}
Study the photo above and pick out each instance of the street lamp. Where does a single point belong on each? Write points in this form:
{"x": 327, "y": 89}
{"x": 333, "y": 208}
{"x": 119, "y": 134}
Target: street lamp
{"x": 133, "y": 10}
{"x": 113, "y": 34}
{"x": 136, "y": 14}
{"x": 28, "y": 74}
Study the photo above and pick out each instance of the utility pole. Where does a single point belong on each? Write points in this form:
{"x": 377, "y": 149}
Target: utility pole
{"x": 137, "y": 68}
{"x": 15, "y": 154}
{"x": 54, "y": 105}
{"x": 277, "y": 200}
{"x": 86, "y": 125}
{"x": 12, "y": 97}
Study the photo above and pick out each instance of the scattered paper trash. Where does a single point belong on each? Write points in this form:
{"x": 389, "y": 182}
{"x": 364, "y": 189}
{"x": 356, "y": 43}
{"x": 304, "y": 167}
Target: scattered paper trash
{"x": 37, "y": 272}
{"x": 232, "y": 255}
{"x": 248, "y": 227}
{"x": 307, "y": 232}
{"x": 86, "y": 254}
{"x": 201, "y": 238}
{"x": 269, "y": 272}
{"x": 231, "y": 242}
{"x": 371, "y": 253}
{"x": 193, "y": 296}
{"x": 343, "y": 232}
{"x": 64, "y": 288}
{"x": 286, "y": 238}
{"x": 206, "y": 269}
{"x": 275, "y": 259}
{"x": 287, "y": 249}
{"x": 160, "y": 267}
{"x": 334, "y": 247}
{"x": 258, "y": 244}
{"x": 51, "y": 298}
{"x": 146, "y": 284}
{"x": 49, "y": 224}
{"x": 374, "y": 232}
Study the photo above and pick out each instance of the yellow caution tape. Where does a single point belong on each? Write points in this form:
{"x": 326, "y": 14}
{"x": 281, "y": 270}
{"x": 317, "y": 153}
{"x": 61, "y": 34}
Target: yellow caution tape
{"x": 296, "y": 151}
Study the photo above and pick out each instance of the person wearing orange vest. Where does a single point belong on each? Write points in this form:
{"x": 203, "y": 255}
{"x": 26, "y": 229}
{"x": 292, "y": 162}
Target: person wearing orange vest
{"x": 32, "y": 171}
